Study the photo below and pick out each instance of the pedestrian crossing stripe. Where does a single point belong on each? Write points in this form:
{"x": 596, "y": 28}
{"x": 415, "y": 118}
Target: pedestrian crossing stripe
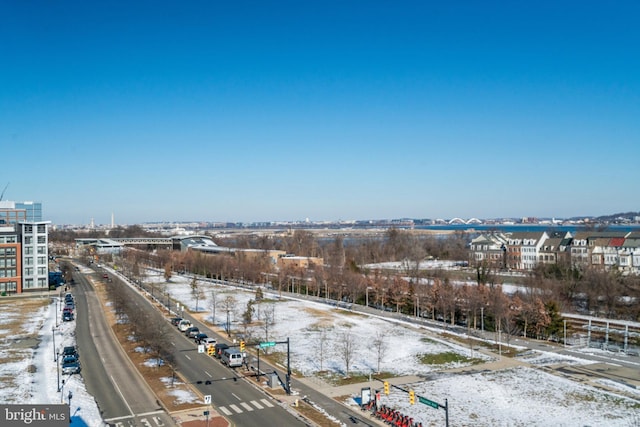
{"x": 236, "y": 410}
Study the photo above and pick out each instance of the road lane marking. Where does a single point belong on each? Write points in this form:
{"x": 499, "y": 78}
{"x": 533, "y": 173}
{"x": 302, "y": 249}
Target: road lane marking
{"x": 266, "y": 403}
{"x": 235, "y": 408}
{"x": 121, "y": 395}
{"x": 225, "y": 410}
{"x": 187, "y": 357}
{"x": 246, "y": 406}
{"x": 257, "y": 405}
{"x": 234, "y": 395}
{"x": 210, "y": 376}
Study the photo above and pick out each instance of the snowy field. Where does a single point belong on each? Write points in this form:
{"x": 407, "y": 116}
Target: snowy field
{"x": 520, "y": 396}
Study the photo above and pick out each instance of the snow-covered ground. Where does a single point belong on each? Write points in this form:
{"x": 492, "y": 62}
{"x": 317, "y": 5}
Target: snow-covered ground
{"x": 31, "y": 376}
{"x": 518, "y": 396}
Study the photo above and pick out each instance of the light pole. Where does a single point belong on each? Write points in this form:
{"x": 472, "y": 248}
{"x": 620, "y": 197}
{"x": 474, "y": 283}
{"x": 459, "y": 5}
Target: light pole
{"x": 55, "y": 355}
{"x": 228, "y": 326}
{"x": 366, "y": 291}
{"x": 58, "y": 371}
{"x": 70, "y": 396}
{"x": 482, "y": 319}
{"x": 565, "y": 332}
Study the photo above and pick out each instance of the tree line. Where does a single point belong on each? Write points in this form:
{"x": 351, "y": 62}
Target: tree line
{"x": 474, "y": 296}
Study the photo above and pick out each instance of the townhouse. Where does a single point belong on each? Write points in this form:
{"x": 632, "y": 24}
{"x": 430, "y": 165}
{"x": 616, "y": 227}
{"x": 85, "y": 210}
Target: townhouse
{"x": 585, "y": 249}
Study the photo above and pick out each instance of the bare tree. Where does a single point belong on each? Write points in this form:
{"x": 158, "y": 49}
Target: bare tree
{"x": 196, "y": 291}
{"x": 167, "y": 271}
{"x": 321, "y": 345}
{"x": 380, "y": 346}
{"x": 268, "y": 317}
{"x": 346, "y": 349}
{"x": 229, "y": 306}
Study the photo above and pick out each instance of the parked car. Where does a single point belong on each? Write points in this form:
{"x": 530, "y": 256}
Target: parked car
{"x": 208, "y": 342}
{"x": 183, "y": 325}
{"x": 67, "y": 316}
{"x": 70, "y": 351}
{"x": 71, "y": 367}
{"x": 175, "y": 320}
{"x": 200, "y": 337}
{"x": 105, "y": 276}
{"x": 192, "y": 331}
{"x": 219, "y": 348}
{"x": 69, "y": 359}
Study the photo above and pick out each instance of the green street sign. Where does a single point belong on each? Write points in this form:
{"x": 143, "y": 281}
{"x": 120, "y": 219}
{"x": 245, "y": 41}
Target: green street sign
{"x": 428, "y": 402}
{"x": 267, "y": 344}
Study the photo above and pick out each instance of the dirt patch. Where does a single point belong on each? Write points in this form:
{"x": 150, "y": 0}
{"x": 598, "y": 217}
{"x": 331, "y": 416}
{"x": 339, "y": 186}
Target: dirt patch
{"x": 323, "y": 319}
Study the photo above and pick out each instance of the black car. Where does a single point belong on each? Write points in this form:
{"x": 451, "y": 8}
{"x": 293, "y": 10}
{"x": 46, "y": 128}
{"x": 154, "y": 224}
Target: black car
{"x": 219, "y": 348}
{"x": 199, "y": 338}
{"x": 175, "y": 320}
{"x": 70, "y": 351}
{"x": 67, "y": 316}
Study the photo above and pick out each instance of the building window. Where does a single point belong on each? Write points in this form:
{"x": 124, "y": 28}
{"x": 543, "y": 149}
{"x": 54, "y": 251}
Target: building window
{"x": 42, "y": 240}
{"x": 42, "y": 271}
{"x": 28, "y": 229}
{"x": 28, "y": 250}
{"x": 28, "y": 271}
{"x": 28, "y": 260}
{"x": 42, "y": 229}
{"x": 28, "y": 283}
{"x": 28, "y": 240}
{"x": 42, "y": 260}
{"x": 42, "y": 282}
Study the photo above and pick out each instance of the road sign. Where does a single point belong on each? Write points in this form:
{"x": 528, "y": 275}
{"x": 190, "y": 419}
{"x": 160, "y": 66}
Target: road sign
{"x": 428, "y": 402}
{"x": 267, "y": 344}
{"x": 207, "y": 399}
{"x": 201, "y": 348}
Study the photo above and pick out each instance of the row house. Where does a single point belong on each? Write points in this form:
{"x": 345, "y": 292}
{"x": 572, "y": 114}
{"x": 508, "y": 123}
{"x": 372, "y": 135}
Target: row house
{"x": 523, "y": 251}
{"x": 489, "y": 249}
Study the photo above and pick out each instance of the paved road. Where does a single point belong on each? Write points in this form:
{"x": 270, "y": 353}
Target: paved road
{"x": 121, "y": 394}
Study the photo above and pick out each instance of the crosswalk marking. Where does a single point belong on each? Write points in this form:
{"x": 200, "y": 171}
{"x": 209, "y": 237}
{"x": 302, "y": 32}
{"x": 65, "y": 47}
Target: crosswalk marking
{"x": 233, "y": 409}
{"x": 246, "y": 406}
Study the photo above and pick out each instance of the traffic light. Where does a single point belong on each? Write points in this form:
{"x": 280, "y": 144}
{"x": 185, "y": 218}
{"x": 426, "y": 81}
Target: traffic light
{"x": 242, "y": 346}
{"x": 386, "y": 387}
{"x": 412, "y": 397}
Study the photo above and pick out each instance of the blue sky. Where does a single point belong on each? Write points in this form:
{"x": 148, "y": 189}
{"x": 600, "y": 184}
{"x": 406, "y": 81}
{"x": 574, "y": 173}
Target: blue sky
{"x": 286, "y": 110}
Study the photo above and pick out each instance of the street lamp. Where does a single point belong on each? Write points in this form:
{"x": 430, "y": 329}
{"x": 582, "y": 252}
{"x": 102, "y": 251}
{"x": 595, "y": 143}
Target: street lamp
{"x": 58, "y": 371}
{"x": 565, "y": 332}
{"x": 70, "y": 396}
{"x": 366, "y": 292}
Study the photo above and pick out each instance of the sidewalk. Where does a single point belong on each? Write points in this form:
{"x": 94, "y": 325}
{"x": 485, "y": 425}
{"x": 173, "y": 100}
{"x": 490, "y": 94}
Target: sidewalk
{"x": 196, "y": 418}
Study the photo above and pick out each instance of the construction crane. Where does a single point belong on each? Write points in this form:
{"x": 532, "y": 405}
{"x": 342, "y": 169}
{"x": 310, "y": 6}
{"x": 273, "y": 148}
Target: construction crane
{"x": 5, "y": 189}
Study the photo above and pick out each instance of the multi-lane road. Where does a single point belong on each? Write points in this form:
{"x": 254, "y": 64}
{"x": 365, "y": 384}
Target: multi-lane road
{"x": 122, "y": 394}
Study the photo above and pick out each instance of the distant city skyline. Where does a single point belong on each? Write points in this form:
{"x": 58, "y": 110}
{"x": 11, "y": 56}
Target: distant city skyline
{"x": 287, "y": 110}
